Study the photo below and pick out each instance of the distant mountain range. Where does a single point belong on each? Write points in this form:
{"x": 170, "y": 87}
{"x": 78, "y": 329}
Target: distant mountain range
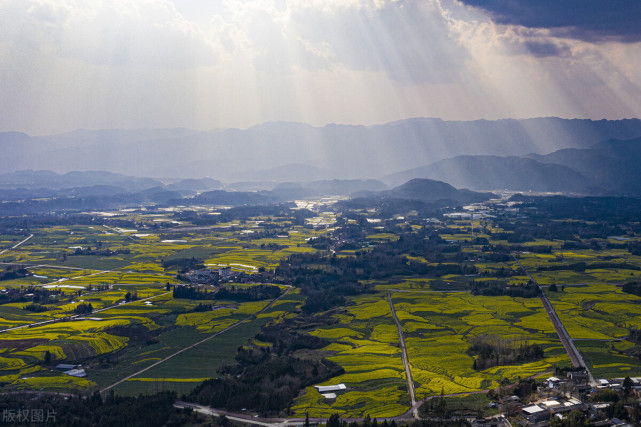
{"x": 29, "y": 192}
{"x": 497, "y": 173}
{"x": 296, "y": 160}
{"x": 606, "y": 168}
{"x": 611, "y": 165}
{"x": 30, "y": 179}
{"x": 281, "y": 152}
{"x": 46, "y": 191}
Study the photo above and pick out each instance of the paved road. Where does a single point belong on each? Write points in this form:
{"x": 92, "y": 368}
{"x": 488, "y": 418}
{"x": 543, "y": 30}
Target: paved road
{"x": 561, "y": 332}
{"x": 282, "y": 422}
{"x": 275, "y": 421}
{"x": 16, "y": 245}
{"x": 247, "y": 319}
{"x": 245, "y": 419}
{"x": 570, "y": 348}
{"x": 406, "y": 362}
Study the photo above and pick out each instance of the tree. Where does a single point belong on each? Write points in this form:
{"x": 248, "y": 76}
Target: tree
{"x": 441, "y": 406}
{"x": 83, "y": 308}
{"x": 605, "y": 395}
{"x": 627, "y": 386}
{"x": 334, "y": 421}
{"x": 47, "y": 359}
{"x": 553, "y": 288}
{"x": 574, "y": 419}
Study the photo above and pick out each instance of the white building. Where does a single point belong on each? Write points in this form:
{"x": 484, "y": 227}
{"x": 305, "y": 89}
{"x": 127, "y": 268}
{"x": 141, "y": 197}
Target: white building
{"x": 330, "y": 388}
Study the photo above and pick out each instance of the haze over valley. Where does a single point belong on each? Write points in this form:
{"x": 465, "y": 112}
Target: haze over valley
{"x": 542, "y": 155}
{"x": 339, "y": 213}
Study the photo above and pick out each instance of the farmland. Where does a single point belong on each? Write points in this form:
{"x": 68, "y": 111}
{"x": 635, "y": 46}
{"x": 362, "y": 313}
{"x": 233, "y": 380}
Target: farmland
{"x": 135, "y": 321}
{"x": 452, "y": 282}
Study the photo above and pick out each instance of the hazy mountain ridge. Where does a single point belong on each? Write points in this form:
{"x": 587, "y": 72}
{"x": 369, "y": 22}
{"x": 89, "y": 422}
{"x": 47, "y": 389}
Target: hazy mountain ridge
{"x": 346, "y": 151}
{"x": 606, "y": 168}
{"x": 30, "y": 179}
{"x": 77, "y": 191}
{"x": 495, "y": 172}
{"x": 612, "y": 164}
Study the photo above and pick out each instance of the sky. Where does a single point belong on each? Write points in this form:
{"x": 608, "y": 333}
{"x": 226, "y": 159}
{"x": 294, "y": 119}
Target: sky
{"x": 203, "y": 64}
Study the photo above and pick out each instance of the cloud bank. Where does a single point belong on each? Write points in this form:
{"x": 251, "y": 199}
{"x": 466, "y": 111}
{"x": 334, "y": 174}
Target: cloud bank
{"x": 195, "y": 63}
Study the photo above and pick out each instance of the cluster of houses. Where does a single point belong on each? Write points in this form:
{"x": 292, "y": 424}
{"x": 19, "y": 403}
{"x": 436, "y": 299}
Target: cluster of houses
{"x": 559, "y": 397}
{"x": 556, "y": 398}
{"x": 208, "y": 276}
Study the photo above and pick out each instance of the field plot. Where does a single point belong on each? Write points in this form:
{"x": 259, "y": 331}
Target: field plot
{"x": 106, "y": 265}
{"x": 438, "y": 329}
{"x": 596, "y": 311}
{"x": 582, "y": 266}
{"x": 186, "y": 370}
{"x": 29, "y": 353}
{"x": 597, "y": 314}
{"x": 114, "y": 343}
{"x": 365, "y": 344}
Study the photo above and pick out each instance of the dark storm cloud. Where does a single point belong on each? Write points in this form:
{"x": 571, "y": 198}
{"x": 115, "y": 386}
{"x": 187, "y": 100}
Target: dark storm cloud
{"x": 589, "y": 20}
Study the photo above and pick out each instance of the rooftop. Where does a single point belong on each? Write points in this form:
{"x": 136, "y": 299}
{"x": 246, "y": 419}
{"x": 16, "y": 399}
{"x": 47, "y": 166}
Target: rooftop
{"x": 329, "y": 388}
{"x": 534, "y": 409}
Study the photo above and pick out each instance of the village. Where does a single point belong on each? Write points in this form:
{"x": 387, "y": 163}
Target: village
{"x": 569, "y": 401}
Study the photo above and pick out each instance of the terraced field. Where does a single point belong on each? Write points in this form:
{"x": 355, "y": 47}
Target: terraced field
{"x": 365, "y": 344}
{"x": 598, "y": 317}
{"x": 100, "y": 265}
{"x": 438, "y": 313}
{"x": 439, "y": 326}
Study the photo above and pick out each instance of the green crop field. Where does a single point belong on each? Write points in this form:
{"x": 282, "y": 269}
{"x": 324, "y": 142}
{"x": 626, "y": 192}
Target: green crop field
{"x": 365, "y": 344}
{"x": 440, "y": 326}
{"x": 130, "y": 262}
{"x": 440, "y": 312}
{"x": 600, "y": 312}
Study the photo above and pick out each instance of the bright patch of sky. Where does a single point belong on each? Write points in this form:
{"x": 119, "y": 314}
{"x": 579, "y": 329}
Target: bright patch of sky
{"x": 203, "y": 64}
